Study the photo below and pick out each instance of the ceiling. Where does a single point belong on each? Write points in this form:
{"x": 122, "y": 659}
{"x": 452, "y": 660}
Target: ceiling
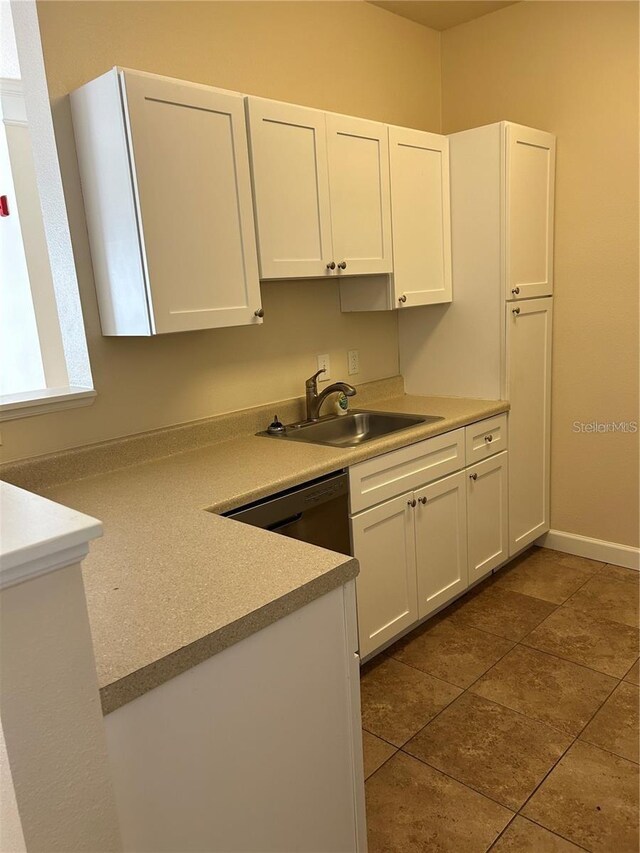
{"x": 441, "y": 14}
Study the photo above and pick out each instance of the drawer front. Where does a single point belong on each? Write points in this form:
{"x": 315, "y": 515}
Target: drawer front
{"x": 485, "y": 438}
{"x": 401, "y": 470}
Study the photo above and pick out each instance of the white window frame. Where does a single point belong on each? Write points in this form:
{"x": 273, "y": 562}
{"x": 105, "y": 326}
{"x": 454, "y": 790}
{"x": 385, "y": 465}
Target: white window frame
{"x": 55, "y": 289}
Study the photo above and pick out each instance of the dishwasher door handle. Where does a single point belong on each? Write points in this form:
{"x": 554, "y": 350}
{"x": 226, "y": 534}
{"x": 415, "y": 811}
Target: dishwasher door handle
{"x": 279, "y": 525}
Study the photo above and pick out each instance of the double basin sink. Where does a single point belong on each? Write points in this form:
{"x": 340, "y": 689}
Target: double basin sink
{"x": 351, "y": 429}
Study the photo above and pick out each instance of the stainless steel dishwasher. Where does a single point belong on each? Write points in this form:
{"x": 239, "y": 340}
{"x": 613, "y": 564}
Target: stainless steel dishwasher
{"x": 315, "y": 512}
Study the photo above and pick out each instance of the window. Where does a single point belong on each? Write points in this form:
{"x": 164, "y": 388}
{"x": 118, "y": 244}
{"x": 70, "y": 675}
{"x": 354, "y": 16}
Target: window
{"x": 44, "y": 362}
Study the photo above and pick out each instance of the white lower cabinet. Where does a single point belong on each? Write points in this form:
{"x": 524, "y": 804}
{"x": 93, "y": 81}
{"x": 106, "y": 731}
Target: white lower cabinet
{"x": 384, "y": 542}
{"x": 487, "y": 515}
{"x": 422, "y": 549}
{"x": 529, "y": 389}
{"x": 441, "y": 542}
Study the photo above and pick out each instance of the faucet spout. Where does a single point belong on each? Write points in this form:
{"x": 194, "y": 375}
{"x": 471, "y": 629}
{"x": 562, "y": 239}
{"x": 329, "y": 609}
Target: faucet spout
{"x": 315, "y": 400}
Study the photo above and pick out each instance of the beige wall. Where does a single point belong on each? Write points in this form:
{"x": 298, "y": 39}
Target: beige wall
{"x": 572, "y": 68}
{"x": 347, "y": 57}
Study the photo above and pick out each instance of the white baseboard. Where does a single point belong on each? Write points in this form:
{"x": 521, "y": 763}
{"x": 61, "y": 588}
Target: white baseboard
{"x": 594, "y": 549}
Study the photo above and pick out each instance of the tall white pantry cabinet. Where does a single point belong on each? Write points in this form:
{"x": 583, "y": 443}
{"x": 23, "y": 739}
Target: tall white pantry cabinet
{"x": 494, "y": 339}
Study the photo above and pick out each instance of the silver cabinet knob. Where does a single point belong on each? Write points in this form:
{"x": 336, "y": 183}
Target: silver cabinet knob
{"x": 515, "y": 291}
{"x": 342, "y": 265}
{"x": 516, "y": 311}
{"x": 259, "y": 312}
{"x": 473, "y": 476}
{"x": 411, "y": 503}
{"x": 331, "y": 266}
{"x": 422, "y": 500}
{"x": 402, "y": 298}
{"x": 488, "y": 438}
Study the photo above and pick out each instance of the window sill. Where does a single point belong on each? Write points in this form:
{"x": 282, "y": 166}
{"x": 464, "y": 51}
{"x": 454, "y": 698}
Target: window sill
{"x": 14, "y": 406}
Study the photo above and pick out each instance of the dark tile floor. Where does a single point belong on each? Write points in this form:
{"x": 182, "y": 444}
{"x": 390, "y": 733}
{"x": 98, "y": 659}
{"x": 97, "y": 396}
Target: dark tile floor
{"x": 509, "y": 722}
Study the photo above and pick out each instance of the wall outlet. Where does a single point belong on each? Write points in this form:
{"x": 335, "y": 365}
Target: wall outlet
{"x": 324, "y": 362}
{"x": 353, "y": 361}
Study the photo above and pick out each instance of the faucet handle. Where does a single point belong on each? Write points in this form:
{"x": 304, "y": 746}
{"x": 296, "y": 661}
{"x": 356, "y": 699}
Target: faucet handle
{"x": 312, "y": 380}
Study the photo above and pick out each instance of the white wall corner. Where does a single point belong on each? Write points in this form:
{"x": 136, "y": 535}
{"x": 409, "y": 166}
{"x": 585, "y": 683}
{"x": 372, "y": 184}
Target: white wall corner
{"x": 39, "y": 536}
{"x": 594, "y": 549}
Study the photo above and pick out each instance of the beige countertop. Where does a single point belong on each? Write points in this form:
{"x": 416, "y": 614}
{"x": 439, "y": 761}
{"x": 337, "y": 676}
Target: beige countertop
{"x": 170, "y": 584}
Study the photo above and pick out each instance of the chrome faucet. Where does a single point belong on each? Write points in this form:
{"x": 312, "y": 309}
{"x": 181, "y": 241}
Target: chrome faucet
{"x": 315, "y": 400}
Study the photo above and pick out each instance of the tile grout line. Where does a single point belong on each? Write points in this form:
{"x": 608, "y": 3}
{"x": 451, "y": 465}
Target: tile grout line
{"x": 473, "y": 683}
{"x": 554, "y": 832}
{"x": 458, "y": 782}
{"x": 568, "y": 660}
{"x": 574, "y": 738}
{"x": 586, "y": 613}
{"x": 501, "y": 833}
{"x": 556, "y": 763}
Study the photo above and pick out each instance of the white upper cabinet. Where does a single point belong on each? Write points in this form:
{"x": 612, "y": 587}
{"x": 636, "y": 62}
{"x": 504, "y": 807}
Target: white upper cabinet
{"x": 165, "y": 177}
{"x": 420, "y": 216}
{"x": 321, "y": 192}
{"x": 360, "y": 198}
{"x": 291, "y": 187}
{"x": 529, "y": 188}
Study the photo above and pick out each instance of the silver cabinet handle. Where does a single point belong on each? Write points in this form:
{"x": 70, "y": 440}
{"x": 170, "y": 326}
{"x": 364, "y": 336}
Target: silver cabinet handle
{"x": 411, "y": 503}
{"x": 259, "y": 312}
{"x": 422, "y": 500}
{"x": 342, "y": 265}
{"x": 515, "y": 291}
{"x": 488, "y": 438}
{"x": 515, "y": 311}
{"x": 331, "y": 266}
{"x": 473, "y": 476}
{"x": 402, "y": 298}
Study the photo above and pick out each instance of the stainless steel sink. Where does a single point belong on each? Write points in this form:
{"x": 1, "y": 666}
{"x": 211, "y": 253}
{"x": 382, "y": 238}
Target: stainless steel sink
{"x": 351, "y": 429}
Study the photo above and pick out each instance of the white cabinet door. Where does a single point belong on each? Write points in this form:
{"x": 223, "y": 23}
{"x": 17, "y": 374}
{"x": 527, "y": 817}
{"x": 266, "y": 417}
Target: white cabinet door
{"x": 529, "y": 393}
{"x": 291, "y": 187}
{"x": 420, "y": 217}
{"x": 441, "y": 542}
{"x": 384, "y": 545}
{"x": 487, "y": 507}
{"x": 190, "y": 166}
{"x": 530, "y": 181}
{"x": 360, "y": 199}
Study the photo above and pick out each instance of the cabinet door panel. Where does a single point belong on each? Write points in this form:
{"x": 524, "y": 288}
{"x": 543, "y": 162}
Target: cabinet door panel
{"x": 530, "y": 179}
{"x": 420, "y": 216}
{"x": 529, "y": 393}
{"x": 191, "y": 167}
{"x": 487, "y": 506}
{"x": 291, "y": 186}
{"x": 383, "y": 543}
{"x": 441, "y": 542}
{"x": 360, "y": 198}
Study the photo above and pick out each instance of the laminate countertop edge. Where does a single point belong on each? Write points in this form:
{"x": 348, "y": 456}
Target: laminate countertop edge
{"x": 130, "y": 687}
